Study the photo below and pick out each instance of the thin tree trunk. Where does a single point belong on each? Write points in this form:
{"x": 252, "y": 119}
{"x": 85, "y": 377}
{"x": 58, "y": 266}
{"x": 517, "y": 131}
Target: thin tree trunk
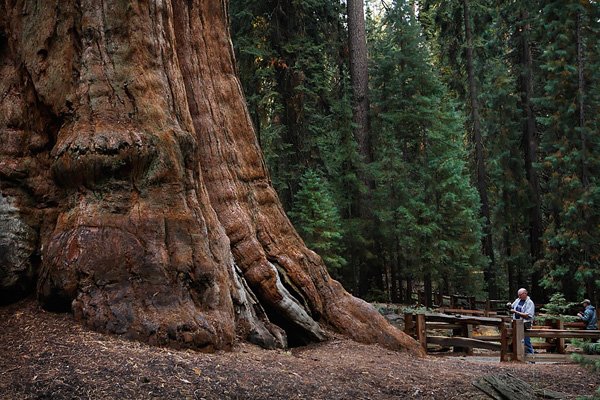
{"x": 580, "y": 101}
{"x": 428, "y": 289}
{"x": 487, "y": 244}
{"x": 161, "y": 223}
{"x": 369, "y": 274}
{"x": 409, "y": 289}
{"x": 585, "y": 174}
{"x": 513, "y": 285}
{"x": 530, "y": 142}
{"x": 359, "y": 75}
{"x": 396, "y": 282}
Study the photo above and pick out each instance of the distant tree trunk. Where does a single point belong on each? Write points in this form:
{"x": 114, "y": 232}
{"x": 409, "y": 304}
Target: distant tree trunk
{"x": 488, "y": 248}
{"x": 585, "y": 173}
{"x": 428, "y": 289}
{"x": 359, "y": 75}
{"x": 511, "y": 268}
{"x": 396, "y": 282}
{"x": 409, "y": 289}
{"x": 129, "y": 154}
{"x": 585, "y": 179}
{"x": 369, "y": 274}
{"x": 530, "y": 143}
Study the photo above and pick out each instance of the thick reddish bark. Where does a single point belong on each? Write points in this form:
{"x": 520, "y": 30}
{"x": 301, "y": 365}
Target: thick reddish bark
{"x": 130, "y": 165}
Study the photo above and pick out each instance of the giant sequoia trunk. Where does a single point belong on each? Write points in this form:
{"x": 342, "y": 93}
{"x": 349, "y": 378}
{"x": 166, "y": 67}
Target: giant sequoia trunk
{"x": 133, "y": 189}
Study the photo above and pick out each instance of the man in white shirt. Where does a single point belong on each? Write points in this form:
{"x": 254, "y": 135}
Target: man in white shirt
{"x": 523, "y": 308}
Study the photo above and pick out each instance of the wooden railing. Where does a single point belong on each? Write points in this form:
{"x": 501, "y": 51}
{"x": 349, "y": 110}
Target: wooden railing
{"x": 462, "y": 338}
{"x": 509, "y": 341}
{"x": 556, "y": 331}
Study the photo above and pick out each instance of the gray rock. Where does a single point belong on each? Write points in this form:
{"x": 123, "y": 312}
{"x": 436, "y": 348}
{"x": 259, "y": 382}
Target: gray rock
{"x": 17, "y": 245}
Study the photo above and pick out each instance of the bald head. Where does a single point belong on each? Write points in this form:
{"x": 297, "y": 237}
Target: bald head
{"x": 522, "y": 293}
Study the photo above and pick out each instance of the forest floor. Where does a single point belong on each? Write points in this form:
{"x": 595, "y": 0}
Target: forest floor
{"x": 49, "y": 356}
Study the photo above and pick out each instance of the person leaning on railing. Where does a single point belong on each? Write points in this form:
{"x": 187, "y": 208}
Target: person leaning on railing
{"x": 589, "y": 315}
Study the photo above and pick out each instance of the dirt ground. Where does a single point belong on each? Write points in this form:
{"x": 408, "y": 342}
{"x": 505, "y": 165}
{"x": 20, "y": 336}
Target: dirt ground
{"x": 48, "y": 356}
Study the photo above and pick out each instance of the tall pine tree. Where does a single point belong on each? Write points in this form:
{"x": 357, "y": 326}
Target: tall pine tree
{"x": 570, "y": 146}
{"x": 426, "y": 206}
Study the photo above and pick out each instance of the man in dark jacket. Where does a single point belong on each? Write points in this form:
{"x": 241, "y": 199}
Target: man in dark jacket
{"x": 589, "y": 315}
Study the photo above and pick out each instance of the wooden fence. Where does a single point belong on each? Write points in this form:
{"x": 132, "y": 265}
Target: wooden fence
{"x": 508, "y": 341}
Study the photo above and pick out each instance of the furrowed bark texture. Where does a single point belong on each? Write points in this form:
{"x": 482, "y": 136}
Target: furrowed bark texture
{"x": 134, "y": 190}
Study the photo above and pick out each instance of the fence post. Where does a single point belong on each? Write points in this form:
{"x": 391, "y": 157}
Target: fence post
{"x": 468, "y": 331}
{"x": 560, "y": 342}
{"x": 422, "y": 331}
{"x": 503, "y": 342}
{"x": 518, "y": 330}
{"x": 409, "y": 324}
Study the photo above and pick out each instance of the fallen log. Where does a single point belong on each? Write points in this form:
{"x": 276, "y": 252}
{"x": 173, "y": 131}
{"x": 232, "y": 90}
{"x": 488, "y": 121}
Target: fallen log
{"x": 508, "y": 387}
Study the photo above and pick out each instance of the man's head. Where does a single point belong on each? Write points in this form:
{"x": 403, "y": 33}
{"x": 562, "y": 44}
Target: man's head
{"x": 586, "y": 302}
{"x": 522, "y": 294}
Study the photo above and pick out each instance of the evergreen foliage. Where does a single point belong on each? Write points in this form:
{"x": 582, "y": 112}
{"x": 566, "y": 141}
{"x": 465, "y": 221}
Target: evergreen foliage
{"x": 290, "y": 62}
{"x": 537, "y": 72}
{"x": 425, "y": 204}
{"x": 503, "y": 121}
{"x": 318, "y": 220}
{"x": 570, "y": 145}
{"x": 558, "y": 305}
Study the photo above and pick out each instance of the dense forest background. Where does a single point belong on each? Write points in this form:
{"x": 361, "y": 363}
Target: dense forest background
{"x": 459, "y": 153}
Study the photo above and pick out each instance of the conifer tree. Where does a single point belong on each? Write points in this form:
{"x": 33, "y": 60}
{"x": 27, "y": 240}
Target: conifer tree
{"x": 426, "y": 205}
{"x": 456, "y": 28}
{"x": 318, "y": 220}
{"x": 527, "y": 73}
{"x": 507, "y": 118}
{"x": 289, "y": 53}
{"x": 480, "y": 156}
{"x": 570, "y": 146}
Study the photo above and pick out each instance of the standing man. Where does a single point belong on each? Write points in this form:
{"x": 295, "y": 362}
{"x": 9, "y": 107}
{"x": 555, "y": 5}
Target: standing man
{"x": 523, "y": 308}
{"x": 589, "y": 315}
